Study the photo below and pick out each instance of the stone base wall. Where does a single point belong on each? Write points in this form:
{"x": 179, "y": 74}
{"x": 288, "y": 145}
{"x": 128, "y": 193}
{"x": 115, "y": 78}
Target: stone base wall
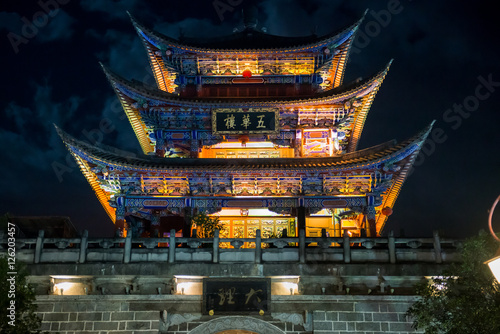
{"x": 364, "y": 317}
{"x": 180, "y": 314}
{"x": 96, "y": 315}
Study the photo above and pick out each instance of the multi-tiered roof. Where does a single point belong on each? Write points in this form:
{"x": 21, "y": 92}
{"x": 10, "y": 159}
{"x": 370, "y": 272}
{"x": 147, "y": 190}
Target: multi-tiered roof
{"x": 316, "y": 123}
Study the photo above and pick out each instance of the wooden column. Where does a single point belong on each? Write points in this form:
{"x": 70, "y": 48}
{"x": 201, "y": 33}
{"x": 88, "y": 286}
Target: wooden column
{"x": 171, "y": 247}
{"x": 370, "y": 218}
{"x": 302, "y": 246}
{"x": 301, "y": 218}
{"x": 347, "y": 248}
{"x": 188, "y": 215}
{"x": 215, "y": 249}
{"x": 337, "y": 228}
{"x": 195, "y": 145}
{"x": 155, "y": 224}
{"x": 258, "y": 247}
{"x": 120, "y": 226}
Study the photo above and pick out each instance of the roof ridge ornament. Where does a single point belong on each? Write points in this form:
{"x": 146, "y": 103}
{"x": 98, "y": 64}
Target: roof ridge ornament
{"x": 250, "y": 17}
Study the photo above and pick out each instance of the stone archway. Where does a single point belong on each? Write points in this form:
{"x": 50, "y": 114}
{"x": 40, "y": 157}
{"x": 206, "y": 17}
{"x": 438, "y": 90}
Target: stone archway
{"x": 226, "y": 324}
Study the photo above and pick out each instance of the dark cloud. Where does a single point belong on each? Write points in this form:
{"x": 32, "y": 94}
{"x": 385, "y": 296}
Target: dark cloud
{"x": 58, "y": 28}
{"x": 193, "y": 27}
{"x": 111, "y": 9}
{"x": 286, "y": 18}
{"x": 41, "y": 27}
{"x": 124, "y": 53}
{"x": 33, "y": 140}
{"x": 10, "y": 22}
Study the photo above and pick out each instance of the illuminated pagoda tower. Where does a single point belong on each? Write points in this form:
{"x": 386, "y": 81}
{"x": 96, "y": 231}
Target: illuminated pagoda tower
{"x": 257, "y": 129}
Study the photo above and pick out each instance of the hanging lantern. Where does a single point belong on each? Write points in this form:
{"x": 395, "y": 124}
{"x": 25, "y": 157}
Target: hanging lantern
{"x": 243, "y": 139}
{"x": 168, "y": 52}
{"x": 387, "y": 211}
{"x": 247, "y": 74}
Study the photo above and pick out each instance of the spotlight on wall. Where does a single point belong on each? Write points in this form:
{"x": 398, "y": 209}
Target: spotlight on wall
{"x": 188, "y": 285}
{"x": 494, "y": 263}
{"x": 69, "y": 285}
{"x": 291, "y": 286}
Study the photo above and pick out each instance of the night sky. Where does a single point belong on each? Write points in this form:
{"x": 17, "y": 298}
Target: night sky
{"x": 446, "y": 55}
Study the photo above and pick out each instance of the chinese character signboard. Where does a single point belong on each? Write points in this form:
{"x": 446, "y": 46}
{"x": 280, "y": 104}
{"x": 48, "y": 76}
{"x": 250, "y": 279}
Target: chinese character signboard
{"x": 244, "y": 121}
{"x": 236, "y": 296}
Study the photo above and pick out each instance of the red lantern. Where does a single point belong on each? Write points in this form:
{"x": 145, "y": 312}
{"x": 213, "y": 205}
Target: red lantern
{"x": 387, "y": 211}
{"x": 247, "y": 74}
{"x": 244, "y": 139}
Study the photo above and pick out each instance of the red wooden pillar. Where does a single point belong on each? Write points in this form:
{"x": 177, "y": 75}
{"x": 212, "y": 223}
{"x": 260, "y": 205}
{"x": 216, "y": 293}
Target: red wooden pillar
{"x": 120, "y": 227}
{"x": 372, "y": 226}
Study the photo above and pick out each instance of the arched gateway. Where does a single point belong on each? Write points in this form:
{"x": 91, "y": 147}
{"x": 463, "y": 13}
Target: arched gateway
{"x": 236, "y": 324}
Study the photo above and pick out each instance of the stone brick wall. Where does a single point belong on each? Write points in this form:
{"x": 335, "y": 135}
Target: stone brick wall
{"x": 95, "y": 314}
{"x": 365, "y": 317}
{"x": 298, "y": 314}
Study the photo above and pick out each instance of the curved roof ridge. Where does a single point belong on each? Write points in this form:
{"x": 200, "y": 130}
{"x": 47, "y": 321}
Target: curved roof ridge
{"x": 337, "y": 92}
{"x": 110, "y": 155}
{"x": 336, "y": 35}
{"x": 95, "y": 148}
{"x": 395, "y": 189}
{"x": 114, "y": 77}
{"x": 379, "y": 75}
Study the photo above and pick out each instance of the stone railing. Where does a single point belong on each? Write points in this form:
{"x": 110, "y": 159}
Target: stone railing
{"x": 276, "y": 250}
